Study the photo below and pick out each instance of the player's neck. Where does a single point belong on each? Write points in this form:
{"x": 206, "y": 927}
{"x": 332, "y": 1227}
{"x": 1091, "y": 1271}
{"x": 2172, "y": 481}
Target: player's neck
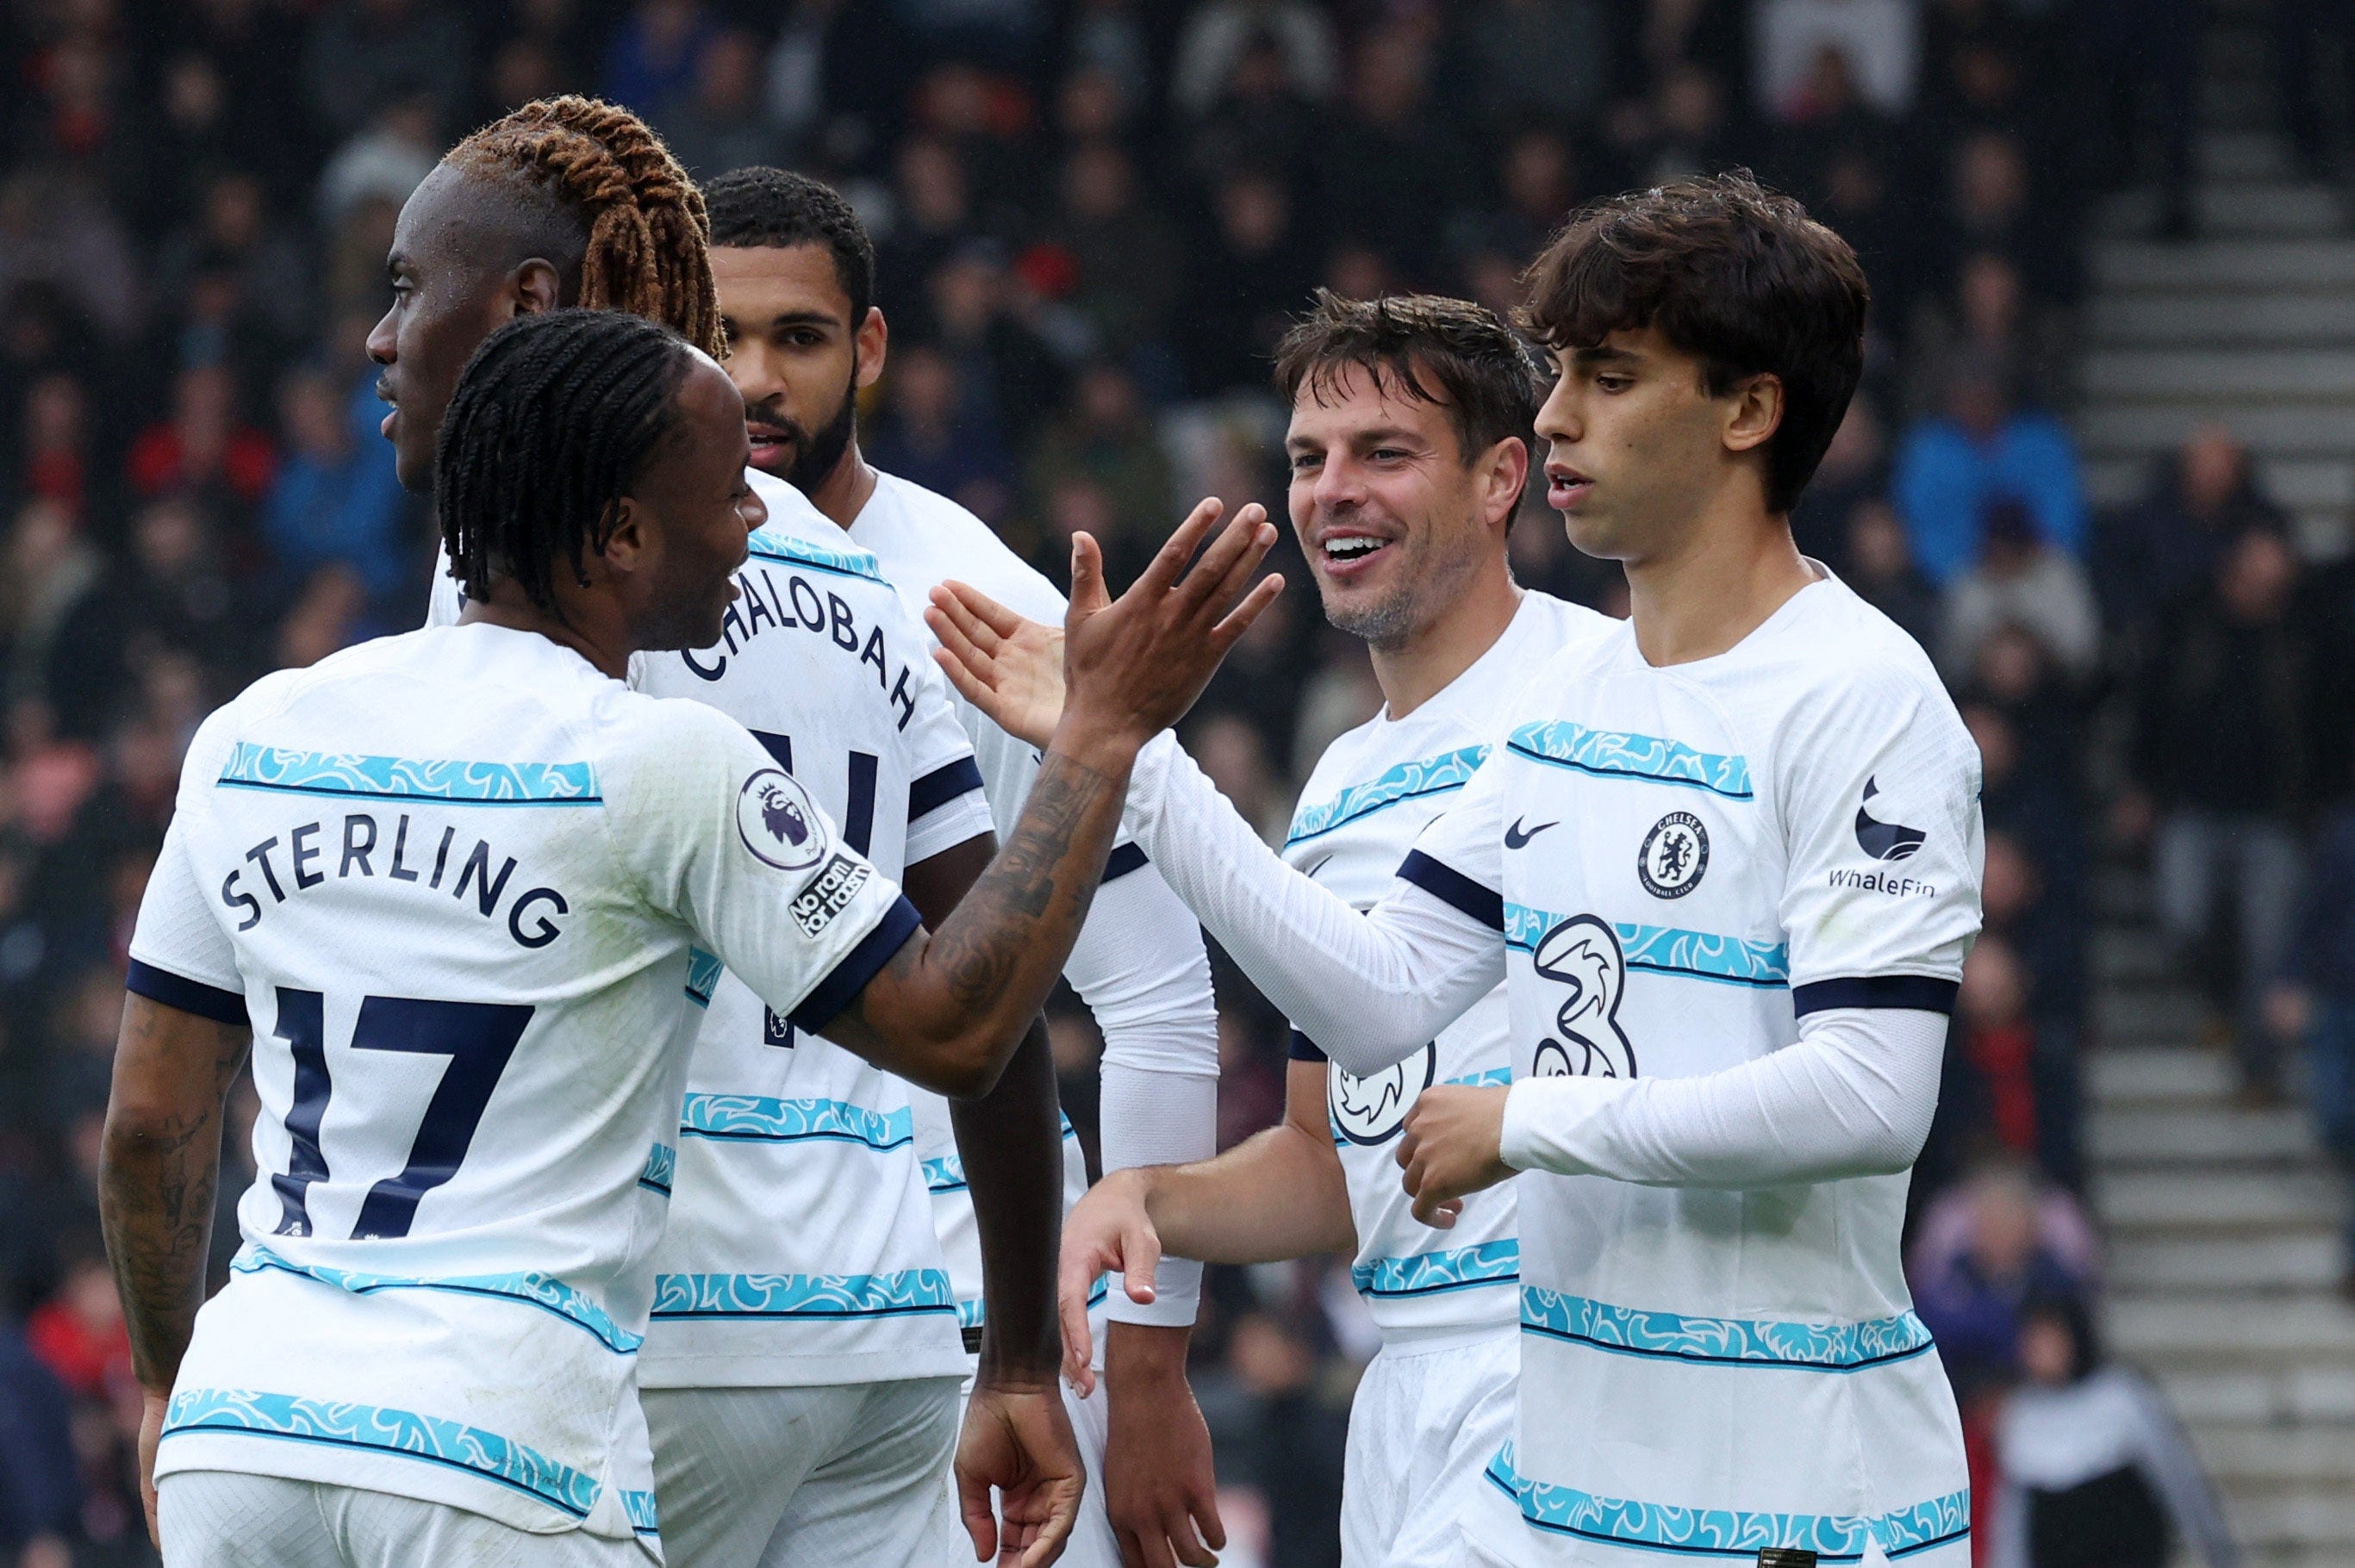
{"x": 1415, "y": 671}
{"x": 843, "y": 493}
{"x": 600, "y": 639}
{"x": 1715, "y": 586}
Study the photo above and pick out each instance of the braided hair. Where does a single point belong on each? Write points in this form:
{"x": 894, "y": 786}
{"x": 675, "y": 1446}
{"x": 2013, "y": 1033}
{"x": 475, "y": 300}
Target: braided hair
{"x": 552, "y": 423}
{"x": 647, "y": 249}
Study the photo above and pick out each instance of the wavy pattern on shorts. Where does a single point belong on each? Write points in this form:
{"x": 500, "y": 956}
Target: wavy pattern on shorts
{"x": 1618, "y": 754}
{"x": 662, "y": 1166}
{"x": 455, "y": 782}
{"x": 542, "y": 1291}
{"x": 758, "y": 1118}
{"x": 1728, "y": 1532}
{"x": 908, "y": 1293}
{"x": 1668, "y": 950}
{"x": 1435, "y": 1273}
{"x": 646, "y": 1519}
{"x": 1727, "y": 1342}
{"x": 1432, "y": 775}
{"x": 426, "y": 1438}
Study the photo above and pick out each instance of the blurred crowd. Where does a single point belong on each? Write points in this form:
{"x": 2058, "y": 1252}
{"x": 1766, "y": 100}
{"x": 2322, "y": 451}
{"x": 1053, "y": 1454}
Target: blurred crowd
{"x": 1093, "y": 217}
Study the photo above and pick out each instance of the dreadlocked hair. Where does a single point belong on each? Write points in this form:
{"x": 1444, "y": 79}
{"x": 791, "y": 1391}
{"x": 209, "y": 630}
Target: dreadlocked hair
{"x": 551, "y": 425}
{"x": 649, "y": 241}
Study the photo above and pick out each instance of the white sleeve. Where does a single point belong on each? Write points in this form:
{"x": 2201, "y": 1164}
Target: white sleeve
{"x": 1877, "y": 794}
{"x": 721, "y": 839}
{"x": 946, "y": 801}
{"x": 444, "y": 604}
{"x": 1853, "y": 1097}
{"x": 182, "y": 954}
{"x": 1140, "y": 966}
{"x": 1376, "y": 986}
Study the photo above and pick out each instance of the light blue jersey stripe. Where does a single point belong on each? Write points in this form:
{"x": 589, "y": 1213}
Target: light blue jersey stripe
{"x": 703, "y": 972}
{"x": 1668, "y": 951}
{"x": 1436, "y": 1274}
{"x": 1723, "y": 1341}
{"x": 794, "y": 550}
{"x": 403, "y": 1433}
{"x": 1731, "y": 1533}
{"x": 972, "y": 1314}
{"x": 756, "y": 1118}
{"x": 1613, "y": 754}
{"x": 805, "y": 1296}
{"x": 450, "y": 782}
{"x": 548, "y": 1295}
{"x": 1495, "y": 1078}
{"x": 646, "y": 1519}
{"x": 1433, "y": 776}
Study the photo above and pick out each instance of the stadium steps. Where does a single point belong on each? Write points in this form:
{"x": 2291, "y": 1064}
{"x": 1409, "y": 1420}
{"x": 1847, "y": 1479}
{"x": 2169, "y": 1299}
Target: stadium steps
{"x": 2251, "y": 325}
{"x": 2224, "y": 1225}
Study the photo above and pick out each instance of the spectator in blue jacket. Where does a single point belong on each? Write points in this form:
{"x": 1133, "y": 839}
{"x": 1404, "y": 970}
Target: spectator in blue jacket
{"x": 336, "y": 499}
{"x": 1983, "y": 449}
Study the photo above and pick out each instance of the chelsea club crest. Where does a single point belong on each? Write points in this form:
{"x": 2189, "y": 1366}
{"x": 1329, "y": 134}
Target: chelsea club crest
{"x": 1674, "y": 855}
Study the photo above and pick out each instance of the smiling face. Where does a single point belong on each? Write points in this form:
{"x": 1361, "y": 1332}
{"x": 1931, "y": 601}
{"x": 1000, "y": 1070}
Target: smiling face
{"x": 1393, "y": 520}
{"x": 692, "y": 512}
{"x": 795, "y": 356}
{"x": 1636, "y": 448}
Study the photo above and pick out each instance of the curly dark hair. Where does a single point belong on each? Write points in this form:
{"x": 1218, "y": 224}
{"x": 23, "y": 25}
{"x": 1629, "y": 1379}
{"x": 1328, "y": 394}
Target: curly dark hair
{"x": 1729, "y": 271}
{"x": 1423, "y": 346}
{"x": 761, "y": 206}
{"x": 646, "y": 246}
{"x": 554, "y": 420}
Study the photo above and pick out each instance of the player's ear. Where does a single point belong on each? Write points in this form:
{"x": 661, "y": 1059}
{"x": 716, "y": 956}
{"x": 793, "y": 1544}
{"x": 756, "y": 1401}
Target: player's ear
{"x": 535, "y": 286}
{"x": 628, "y": 537}
{"x": 1504, "y": 471}
{"x": 1753, "y": 412}
{"x": 874, "y": 344}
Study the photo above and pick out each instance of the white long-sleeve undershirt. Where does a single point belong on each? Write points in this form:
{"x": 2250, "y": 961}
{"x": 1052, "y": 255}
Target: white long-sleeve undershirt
{"x": 1852, "y": 1097}
{"x": 1369, "y": 989}
{"x": 1140, "y": 969}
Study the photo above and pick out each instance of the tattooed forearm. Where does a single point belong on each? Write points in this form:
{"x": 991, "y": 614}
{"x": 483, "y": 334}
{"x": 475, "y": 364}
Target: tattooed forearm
{"x": 159, "y": 1166}
{"x": 979, "y": 945}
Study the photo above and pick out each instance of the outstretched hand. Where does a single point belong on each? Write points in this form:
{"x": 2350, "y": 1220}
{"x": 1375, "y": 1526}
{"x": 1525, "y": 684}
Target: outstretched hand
{"x": 1001, "y": 661}
{"x": 1132, "y": 666}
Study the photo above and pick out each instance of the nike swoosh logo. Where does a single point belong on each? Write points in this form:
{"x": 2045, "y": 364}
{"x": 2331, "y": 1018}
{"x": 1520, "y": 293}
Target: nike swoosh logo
{"x": 1515, "y": 838}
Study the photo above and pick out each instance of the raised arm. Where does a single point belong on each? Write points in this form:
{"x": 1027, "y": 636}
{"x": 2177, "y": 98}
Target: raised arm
{"x": 157, "y": 1167}
{"x": 1367, "y": 989}
{"x": 949, "y": 1006}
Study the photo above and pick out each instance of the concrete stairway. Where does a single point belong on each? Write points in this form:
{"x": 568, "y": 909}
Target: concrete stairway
{"x": 2223, "y": 1222}
{"x": 2253, "y": 324}
{"x": 2224, "y": 1260}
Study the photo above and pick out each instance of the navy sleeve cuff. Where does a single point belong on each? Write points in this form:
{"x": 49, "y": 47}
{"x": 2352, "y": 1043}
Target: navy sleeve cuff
{"x": 1124, "y": 859}
{"x": 941, "y": 786}
{"x": 189, "y": 996}
{"x": 835, "y": 992}
{"x": 1302, "y": 1049}
{"x": 1452, "y": 887}
{"x": 1911, "y": 993}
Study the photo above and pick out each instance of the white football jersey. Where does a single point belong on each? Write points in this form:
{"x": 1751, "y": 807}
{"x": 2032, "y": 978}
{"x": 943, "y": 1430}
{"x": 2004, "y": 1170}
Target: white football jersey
{"x": 1371, "y": 794}
{"x": 472, "y": 895}
{"x": 820, "y": 662}
{"x": 1683, "y": 863}
{"x": 922, "y": 541}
